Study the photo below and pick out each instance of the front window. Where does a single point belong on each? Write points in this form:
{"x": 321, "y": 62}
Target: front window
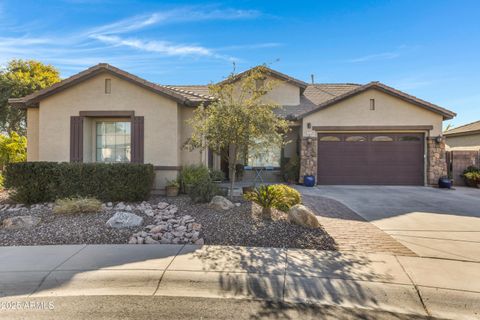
{"x": 113, "y": 141}
{"x": 264, "y": 157}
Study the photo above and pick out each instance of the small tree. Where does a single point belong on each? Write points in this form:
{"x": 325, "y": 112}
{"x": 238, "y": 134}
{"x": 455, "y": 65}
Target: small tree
{"x": 238, "y": 119}
{"x": 19, "y": 79}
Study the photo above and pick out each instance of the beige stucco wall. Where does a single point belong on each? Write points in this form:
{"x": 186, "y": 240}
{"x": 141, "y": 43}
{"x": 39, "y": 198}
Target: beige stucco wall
{"x": 160, "y": 117}
{"x": 32, "y": 134}
{"x": 389, "y": 111}
{"x": 466, "y": 142}
{"x": 283, "y": 93}
{"x": 161, "y": 127}
{"x": 188, "y": 157}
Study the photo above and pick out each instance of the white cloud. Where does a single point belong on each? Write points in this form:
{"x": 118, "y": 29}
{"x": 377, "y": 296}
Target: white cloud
{"x": 116, "y": 41}
{"x": 21, "y": 42}
{"x": 163, "y": 47}
{"x": 187, "y": 14}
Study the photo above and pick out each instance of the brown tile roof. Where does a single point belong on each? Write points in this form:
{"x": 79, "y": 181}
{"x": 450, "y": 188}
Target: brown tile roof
{"x": 469, "y": 128}
{"x": 194, "y": 92}
{"x": 313, "y": 97}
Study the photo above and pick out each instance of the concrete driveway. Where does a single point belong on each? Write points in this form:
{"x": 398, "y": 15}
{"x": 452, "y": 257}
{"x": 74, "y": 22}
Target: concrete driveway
{"x": 431, "y": 222}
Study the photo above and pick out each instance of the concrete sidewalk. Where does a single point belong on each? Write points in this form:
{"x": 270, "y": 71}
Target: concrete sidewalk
{"x": 411, "y": 285}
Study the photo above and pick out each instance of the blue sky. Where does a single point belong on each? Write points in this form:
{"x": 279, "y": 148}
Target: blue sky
{"x": 430, "y": 49}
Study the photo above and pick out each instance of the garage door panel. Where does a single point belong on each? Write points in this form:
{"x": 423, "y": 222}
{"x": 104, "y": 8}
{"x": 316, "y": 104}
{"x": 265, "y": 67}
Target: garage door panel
{"x": 380, "y": 159}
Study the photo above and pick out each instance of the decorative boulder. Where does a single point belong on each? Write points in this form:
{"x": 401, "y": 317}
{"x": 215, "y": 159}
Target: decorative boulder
{"x": 20, "y": 222}
{"x": 301, "y": 215}
{"x": 162, "y": 205}
{"x": 221, "y": 203}
{"x": 122, "y": 219}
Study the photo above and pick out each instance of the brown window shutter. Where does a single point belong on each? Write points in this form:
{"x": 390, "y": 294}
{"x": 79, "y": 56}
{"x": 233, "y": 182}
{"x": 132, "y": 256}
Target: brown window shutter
{"x": 137, "y": 139}
{"x": 76, "y": 139}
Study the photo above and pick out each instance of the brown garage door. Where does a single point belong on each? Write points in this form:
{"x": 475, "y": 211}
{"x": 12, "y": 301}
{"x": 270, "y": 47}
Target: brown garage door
{"x": 371, "y": 158}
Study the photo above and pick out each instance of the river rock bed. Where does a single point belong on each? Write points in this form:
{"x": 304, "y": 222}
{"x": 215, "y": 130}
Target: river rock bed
{"x": 160, "y": 222}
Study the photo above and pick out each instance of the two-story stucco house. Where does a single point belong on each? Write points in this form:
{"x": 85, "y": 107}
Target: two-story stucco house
{"x": 343, "y": 133}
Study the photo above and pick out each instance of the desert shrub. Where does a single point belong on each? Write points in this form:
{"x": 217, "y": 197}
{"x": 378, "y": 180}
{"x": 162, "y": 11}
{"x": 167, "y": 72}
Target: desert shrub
{"x": 290, "y": 197}
{"x": 189, "y": 175}
{"x": 77, "y": 205}
{"x": 267, "y": 197}
{"x": 33, "y": 182}
{"x": 203, "y": 190}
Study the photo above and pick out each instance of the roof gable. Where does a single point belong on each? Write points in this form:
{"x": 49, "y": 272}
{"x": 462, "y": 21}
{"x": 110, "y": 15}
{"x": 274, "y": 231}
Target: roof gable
{"x": 447, "y": 114}
{"x": 32, "y": 100}
{"x": 274, "y": 73}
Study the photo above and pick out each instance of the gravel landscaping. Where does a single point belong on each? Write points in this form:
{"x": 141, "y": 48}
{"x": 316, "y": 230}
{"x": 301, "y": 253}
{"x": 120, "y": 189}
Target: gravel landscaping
{"x": 238, "y": 226}
{"x": 180, "y": 222}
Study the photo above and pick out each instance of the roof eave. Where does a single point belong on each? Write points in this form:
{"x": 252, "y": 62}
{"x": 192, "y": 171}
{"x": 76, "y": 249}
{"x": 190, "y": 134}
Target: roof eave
{"x": 32, "y": 100}
{"x": 303, "y": 85}
{"x": 446, "y": 114}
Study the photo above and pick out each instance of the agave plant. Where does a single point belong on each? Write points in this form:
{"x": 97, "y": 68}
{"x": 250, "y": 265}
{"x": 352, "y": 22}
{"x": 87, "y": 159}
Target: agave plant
{"x": 267, "y": 197}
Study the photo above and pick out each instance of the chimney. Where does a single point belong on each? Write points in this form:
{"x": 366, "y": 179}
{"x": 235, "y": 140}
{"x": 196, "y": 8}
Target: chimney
{"x": 313, "y": 78}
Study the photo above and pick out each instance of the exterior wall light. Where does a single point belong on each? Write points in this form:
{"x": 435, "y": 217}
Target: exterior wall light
{"x": 438, "y": 139}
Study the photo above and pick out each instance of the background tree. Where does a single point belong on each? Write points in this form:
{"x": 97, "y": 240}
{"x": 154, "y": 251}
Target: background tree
{"x": 20, "y": 78}
{"x": 13, "y": 148}
{"x": 238, "y": 119}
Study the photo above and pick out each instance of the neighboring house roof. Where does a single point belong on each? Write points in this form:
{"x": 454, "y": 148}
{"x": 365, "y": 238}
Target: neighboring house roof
{"x": 271, "y": 72}
{"x": 470, "y": 128}
{"x": 33, "y": 99}
{"x": 313, "y": 97}
{"x": 447, "y": 114}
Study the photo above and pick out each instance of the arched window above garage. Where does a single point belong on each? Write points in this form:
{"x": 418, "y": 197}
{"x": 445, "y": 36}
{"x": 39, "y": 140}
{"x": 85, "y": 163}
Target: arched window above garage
{"x": 356, "y": 139}
{"x": 382, "y": 139}
{"x": 409, "y": 138}
{"x": 329, "y": 138}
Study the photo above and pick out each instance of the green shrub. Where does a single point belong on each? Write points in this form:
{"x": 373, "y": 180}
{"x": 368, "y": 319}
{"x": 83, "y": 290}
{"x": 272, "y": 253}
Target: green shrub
{"x": 189, "y": 175}
{"x": 290, "y": 169}
{"x": 33, "y": 182}
{"x": 471, "y": 175}
{"x": 217, "y": 175}
{"x": 203, "y": 190}
{"x": 173, "y": 183}
{"x": 473, "y": 178}
{"x": 267, "y": 197}
{"x": 77, "y": 205}
{"x": 471, "y": 169}
{"x": 290, "y": 197}
{"x": 278, "y": 196}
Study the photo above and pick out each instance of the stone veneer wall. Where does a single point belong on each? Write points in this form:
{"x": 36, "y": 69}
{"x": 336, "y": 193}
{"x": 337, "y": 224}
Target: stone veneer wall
{"x": 436, "y": 162}
{"x": 308, "y": 157}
